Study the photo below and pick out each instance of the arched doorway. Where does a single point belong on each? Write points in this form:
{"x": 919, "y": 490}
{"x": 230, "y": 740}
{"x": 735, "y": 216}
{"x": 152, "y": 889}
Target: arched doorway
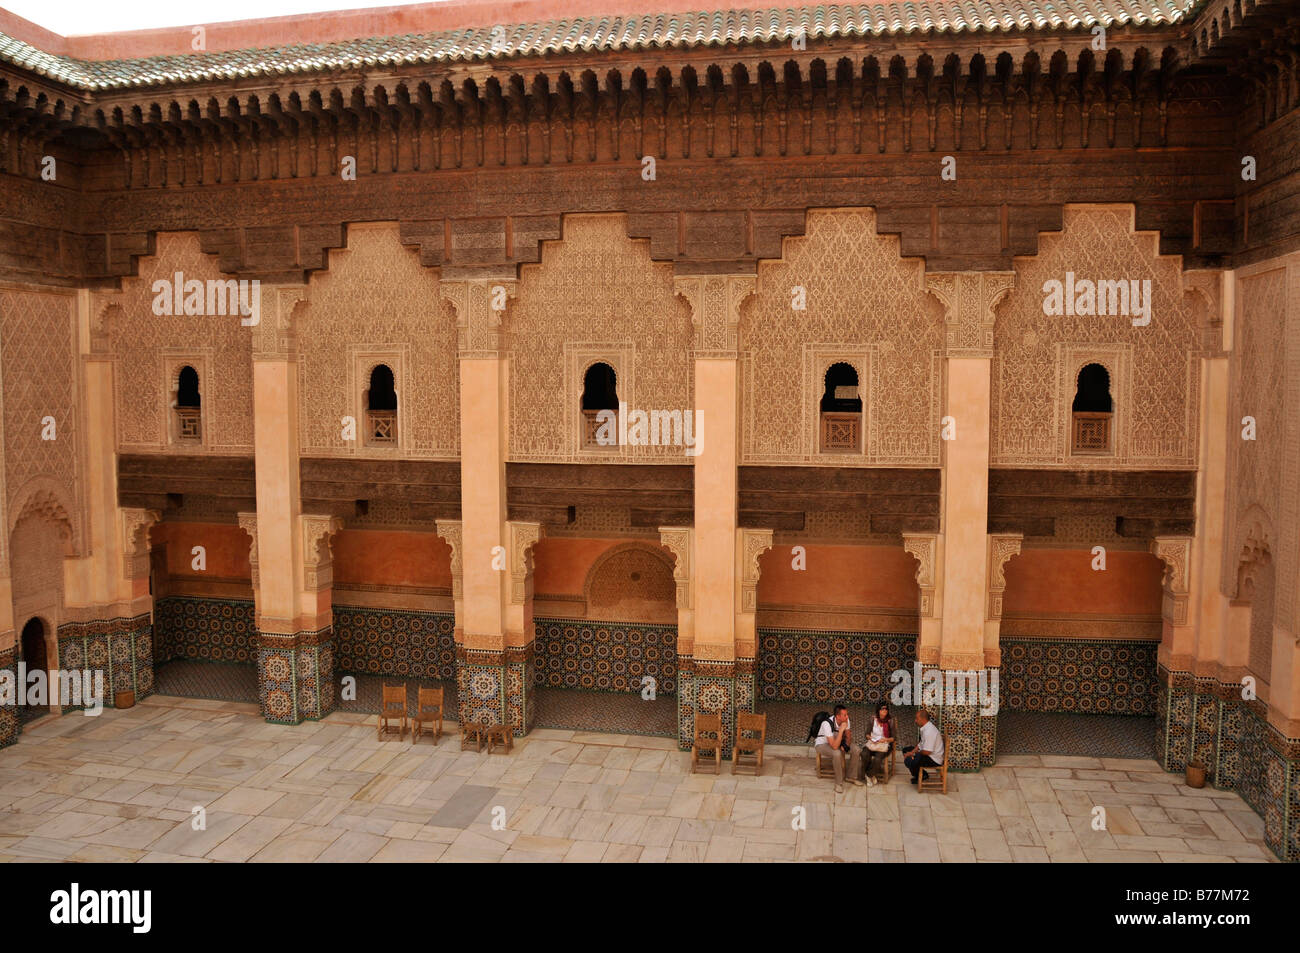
{"x": 36, "y": 659}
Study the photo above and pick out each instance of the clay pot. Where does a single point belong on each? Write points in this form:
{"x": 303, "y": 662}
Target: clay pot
{"x": 124, "y": 700}
{"x": 1195, "y": 774}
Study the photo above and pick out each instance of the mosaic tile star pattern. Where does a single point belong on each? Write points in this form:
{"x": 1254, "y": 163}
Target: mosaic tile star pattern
{"x": 605, "y": 656}
{"x": 853, "y": 667}
{"x": 1074, "y": 675}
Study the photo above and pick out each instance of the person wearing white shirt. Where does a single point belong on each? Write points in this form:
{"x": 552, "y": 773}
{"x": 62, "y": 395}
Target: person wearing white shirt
{"x": 928, "y": 752}
{"x": 836, "y": 734}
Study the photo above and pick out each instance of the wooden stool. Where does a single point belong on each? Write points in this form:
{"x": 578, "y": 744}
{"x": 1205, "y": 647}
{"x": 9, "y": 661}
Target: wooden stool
{"x": 472, "y": 732}
{"x": 502, "y": 735}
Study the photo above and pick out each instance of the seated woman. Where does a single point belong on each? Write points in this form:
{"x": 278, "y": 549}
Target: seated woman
{"x": 879, "y": 741}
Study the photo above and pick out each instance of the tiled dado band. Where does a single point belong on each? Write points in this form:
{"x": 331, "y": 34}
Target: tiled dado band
{"x": 397, "y": 642}
{"x": 207, "y": 630}
{"x": 605, "y": 656}
{"x": 9, "y": 726}
{"x": 295, "y": 676}
{"x": 121, "y": 648}
{"x": 828, "y": 667}
{"x": 711, "y": 686}
{"x": 1082, "y": 676}
{"x": 1210, "y": 721}
{"x": 496, "y": 687}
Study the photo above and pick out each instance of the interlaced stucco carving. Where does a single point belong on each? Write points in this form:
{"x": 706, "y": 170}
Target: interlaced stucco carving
{"x": 139, "y": 340}
{"x": 378, "y": 298}
{"x": 969, "y": 299}
{"x": 595, "y": 285}
{"x": 275, "y": 336}
{"x": 481, "y": 308}
{"x": 1002, "y": 547}
{"x": 39, "y": 368}
{"x": 317, "y": 555}
{"x": 753, "y": 544}
{"x": 715, "y": 311}
{"x": 1176, "y": 553}
{"x": 1262, "y": 473}
{"x": 1038, "y": 356}
{"x": 136, "y": 523}
{"x": 924, "y": 546}
{"x": 450, "y": 531}
{"x": 523, "y": 536}
{"x": 39, "y": 546}
{"x": 860, "y": 295}
{"x": 680, "y": 540}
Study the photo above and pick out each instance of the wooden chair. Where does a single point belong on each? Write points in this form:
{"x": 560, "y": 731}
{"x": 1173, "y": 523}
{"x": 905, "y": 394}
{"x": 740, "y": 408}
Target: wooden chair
{"x": 748, "y": 748}
{"x": 933, "y": 783}
{"x": 501, "y": 735}
{"x": 473, "y": 734}
{"x": 392, "y": 708}
{"x": 890, "y": 764}
{"x": 428, "y": 711}
{"x": 707, "y": 724}
{"x": 825, "y": 764}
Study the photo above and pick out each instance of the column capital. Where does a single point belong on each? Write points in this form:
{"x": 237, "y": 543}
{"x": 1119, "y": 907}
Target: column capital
{"x": 925, "y": 548}
{"x": 451, "y": 532}
{"x": 969, "y": 298}
{"x": 275, "y": 331}
{"x": 753, "y": 544}
{"x": 480, "y": 305}
{"x": 715, "y": 311}
{"x": 317, "y": 555}
{"x": 1002, "y": 547}
{"x": 136, "y": 523}
{"x": 523, "y": 536}
{"x": 680, "y": 541}
{"x": 1176, "y": 553}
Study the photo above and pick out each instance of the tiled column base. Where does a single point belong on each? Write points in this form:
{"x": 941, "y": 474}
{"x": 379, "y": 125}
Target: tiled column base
{"x": 121, "y": 648}
{"x": 9, "y": 725}
{"x": 497, "y": 687}
{"x": 707, "y": 686}
{"x": 295, "y": 676}
{"x": 988, "y": 728}
{"x": 1210, "y": 721}
{"x": 971, "y": 736}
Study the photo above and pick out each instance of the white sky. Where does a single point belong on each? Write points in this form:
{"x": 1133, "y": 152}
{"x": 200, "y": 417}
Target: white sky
{"x": 76, "y": 17}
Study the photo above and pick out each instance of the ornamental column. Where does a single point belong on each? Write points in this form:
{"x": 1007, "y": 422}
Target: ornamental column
{"x": 969, "y": 299}
{"x": 492, "y": 570}
{"x": 295, "y": 658}
{"x": 716, "y": 660}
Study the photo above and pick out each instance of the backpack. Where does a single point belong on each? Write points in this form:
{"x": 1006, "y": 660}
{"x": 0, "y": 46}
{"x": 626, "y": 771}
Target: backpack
{"x": 817, "y": 723}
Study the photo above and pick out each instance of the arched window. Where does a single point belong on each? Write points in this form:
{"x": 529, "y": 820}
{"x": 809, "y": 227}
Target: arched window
{"x": 599, "y": 393}
{"x": 189, "y": 415}
{"x": 381, "y": 407}
{"x": 1093, "y": 411}
{"x": 841, "y": 410}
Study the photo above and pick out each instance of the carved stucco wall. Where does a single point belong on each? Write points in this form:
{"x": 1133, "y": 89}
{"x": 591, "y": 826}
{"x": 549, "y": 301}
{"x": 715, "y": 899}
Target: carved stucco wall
{"x": 378, "y": 303}
{"x": 1264, "y": 473}
{"x": 1154, "y": 373}
{"x": 39, "y": 369}
{"x": 865, "y": 305}
{"x": 40, "y": 544}
{"x": 150, "y": 349}
{"x": 595, "y": 296}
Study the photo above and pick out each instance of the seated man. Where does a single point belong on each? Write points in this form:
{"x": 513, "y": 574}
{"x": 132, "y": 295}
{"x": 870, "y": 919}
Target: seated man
{"x": 928, "y": 752}
{"x": 837, "y": 737}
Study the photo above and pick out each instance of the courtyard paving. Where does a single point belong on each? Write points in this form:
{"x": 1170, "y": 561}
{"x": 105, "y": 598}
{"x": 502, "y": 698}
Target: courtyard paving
{"x": 124, "y": 787}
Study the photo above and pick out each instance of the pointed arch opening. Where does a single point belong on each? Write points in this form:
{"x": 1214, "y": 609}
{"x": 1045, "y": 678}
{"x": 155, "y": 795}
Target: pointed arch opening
{"x": 1092, "y": 411}
{"x": 840, "y": 410}
{"x": 381, "y": 407}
